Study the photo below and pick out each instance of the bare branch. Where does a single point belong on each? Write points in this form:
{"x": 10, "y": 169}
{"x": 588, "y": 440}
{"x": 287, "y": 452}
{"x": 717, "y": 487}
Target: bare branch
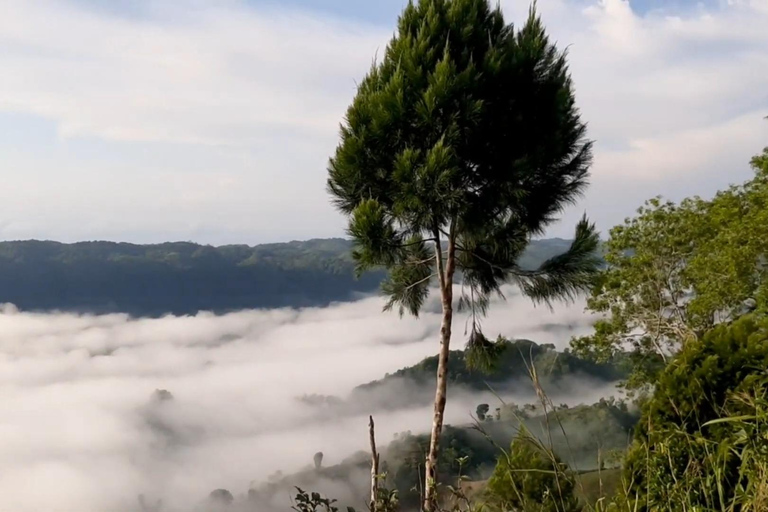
{"x": 420, "y": 281}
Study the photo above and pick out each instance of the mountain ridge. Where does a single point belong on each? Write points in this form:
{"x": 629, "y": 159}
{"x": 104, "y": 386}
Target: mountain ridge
{"x": 185, "y": 277}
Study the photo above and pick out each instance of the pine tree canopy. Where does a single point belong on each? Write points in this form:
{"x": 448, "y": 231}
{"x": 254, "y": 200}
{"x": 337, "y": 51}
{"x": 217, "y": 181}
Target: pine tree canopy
{"x": 465, "y": 132}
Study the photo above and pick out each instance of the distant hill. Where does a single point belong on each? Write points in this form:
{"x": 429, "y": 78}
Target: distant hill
{"x": 184, "y": 278}
{"x": 555, "y": 370}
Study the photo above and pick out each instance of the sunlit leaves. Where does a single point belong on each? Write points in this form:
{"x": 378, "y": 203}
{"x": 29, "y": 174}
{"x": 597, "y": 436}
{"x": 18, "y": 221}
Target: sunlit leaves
{"x": 676, "y": 270}
{"x": 701, "y": 440}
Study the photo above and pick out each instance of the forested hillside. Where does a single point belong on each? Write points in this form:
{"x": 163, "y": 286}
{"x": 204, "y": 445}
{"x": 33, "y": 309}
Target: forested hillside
{"x": 511, "y": 373}
{"x": 593, "y": 431}
{"x": 183, "y": 278}
{"x": 588, "y": 437}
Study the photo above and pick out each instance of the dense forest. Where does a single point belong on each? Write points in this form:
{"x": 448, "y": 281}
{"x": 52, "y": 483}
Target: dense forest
{"x": 184, "y": 278}
{"x": 471, "y": 450}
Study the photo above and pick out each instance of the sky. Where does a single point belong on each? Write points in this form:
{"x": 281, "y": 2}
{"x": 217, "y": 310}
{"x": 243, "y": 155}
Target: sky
{"x": 235, "y": 380}
{"x": 140, "y": 121}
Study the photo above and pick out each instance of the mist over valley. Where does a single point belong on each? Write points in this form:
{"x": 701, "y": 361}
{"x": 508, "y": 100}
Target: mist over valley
{"x": 83, "y": 418}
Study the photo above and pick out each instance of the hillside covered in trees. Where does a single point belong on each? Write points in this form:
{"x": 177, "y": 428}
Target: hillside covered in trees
{"x": 557, "y": 371}
{"x": 184, "y": 278}
{"x": 594, "y": 433}
{"x": 583, "y": 434}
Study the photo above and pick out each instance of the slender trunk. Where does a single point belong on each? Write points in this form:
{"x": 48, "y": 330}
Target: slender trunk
{"x": 374, "y": 466}
{"x": 446, "y": 293}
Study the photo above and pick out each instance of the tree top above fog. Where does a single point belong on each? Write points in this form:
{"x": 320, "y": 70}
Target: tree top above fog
{"x": 462, "y": 143}
{"x": 464, "y": 133}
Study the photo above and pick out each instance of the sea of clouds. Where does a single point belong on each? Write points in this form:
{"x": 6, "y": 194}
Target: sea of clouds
{"x": 80, "y": 430}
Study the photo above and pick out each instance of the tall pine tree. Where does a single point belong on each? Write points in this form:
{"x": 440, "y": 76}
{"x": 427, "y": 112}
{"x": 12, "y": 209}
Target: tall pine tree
{"x": 461, "y": 144}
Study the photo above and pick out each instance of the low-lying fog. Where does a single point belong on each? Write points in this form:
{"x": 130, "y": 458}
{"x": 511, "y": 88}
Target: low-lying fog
{"x": 79, "y": 431}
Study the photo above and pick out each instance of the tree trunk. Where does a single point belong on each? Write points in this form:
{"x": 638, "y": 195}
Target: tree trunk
{"x": 374, "y": 466}
{"x": 446, "y": 293}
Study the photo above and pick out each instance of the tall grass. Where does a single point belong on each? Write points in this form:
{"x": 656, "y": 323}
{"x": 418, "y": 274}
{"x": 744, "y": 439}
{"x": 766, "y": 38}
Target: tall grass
{"x": 727, "y": 475}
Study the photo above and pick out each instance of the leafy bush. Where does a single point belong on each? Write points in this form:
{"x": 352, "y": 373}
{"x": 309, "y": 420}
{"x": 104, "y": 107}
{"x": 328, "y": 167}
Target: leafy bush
{"x": 314, "y": 502}
{"x": 675, "y": 271}
{"x": 532, "y": 479}
{"x": 702, "y": 441}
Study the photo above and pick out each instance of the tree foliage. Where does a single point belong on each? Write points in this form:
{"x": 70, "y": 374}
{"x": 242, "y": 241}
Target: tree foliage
{"x": 465, "y": 132}
{"x": 461, "y": 144}
{"x": 676, "y": 270}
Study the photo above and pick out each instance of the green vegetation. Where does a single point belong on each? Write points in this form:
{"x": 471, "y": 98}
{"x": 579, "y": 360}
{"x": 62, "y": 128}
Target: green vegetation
{"x": 529, "y": 477}
{"x": 463, "y": 451}
{"x": 473, "y": 451}
{"x": 510, "y": 371}
{"x": 680, "y": 286}
{"x": 593, "y": 487}
{"x": 703, "y": 436}
{"x": 685, "y": 293}
{"x": 677, "y": 270}
{"x": 462, "y": 144}
{"x": 184, "y": 278}
{"x": 584, "y": 436}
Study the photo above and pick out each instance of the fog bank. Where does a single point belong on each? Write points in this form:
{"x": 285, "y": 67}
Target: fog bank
{"x": 81, "y": 431}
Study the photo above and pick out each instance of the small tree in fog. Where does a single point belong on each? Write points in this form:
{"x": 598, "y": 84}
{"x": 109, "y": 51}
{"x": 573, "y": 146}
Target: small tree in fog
{"x": 318, "y": 460}
{"x": 221, "y": 497}
{"x": 481, "y": 411}
{"x": 462, "y": 144}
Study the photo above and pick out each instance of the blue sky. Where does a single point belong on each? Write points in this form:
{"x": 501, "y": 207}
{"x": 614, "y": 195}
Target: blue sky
{"x": 213, "y": 121}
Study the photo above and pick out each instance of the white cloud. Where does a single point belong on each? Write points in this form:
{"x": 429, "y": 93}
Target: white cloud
{"x": 208, "y": 119}
{"x": 74, "y": 393}
{"x": 223, "y": 75}
{"x": 675, "y": 102}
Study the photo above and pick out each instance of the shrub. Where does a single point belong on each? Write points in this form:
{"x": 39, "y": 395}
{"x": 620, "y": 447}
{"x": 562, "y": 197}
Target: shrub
{"x": 532, "y": 479}
{"x": 702, "y": 440}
